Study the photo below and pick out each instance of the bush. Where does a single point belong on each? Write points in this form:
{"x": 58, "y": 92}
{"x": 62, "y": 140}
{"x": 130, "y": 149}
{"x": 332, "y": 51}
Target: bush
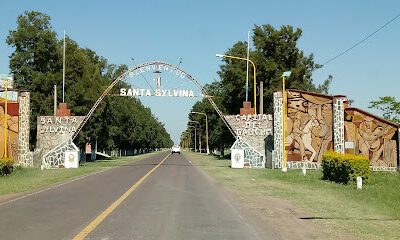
{"x": 345, "y": 168}
{"x": 6, "y": 166}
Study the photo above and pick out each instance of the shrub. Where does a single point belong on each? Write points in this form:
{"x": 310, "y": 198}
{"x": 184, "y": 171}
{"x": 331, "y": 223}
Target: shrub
{"x": 6, "y": 166}
{"x": 345, "y": 168}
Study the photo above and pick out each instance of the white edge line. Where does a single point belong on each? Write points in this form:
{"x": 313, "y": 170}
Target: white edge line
{"x": 60, "y": 184}
{"x": 55, "y": 186}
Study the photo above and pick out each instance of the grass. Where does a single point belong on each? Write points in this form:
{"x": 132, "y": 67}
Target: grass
{"x": 29, "y": 179}
{"x": 370, "y": 213}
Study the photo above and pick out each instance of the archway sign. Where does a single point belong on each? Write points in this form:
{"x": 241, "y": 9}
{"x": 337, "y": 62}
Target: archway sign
{"x": 155, "y": 67}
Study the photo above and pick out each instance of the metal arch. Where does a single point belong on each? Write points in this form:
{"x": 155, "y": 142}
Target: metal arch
{"x": 122, "y": 76}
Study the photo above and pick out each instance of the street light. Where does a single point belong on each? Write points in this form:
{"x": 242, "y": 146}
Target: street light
{"x": 285, "y": 74}
{"x": 195, "y": 129}
{"x": 191, "y": 121}
{"x": 208, "y": 149}
{"x": 254, "y": 72}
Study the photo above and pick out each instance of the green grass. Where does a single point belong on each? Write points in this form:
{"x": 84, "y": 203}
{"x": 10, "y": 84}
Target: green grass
{"x": 370, "y": 213}
{"x": 28, "y": 179}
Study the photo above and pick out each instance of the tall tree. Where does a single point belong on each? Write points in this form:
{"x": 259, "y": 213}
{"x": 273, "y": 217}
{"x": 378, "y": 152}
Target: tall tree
{"x": 275, "y": 51}
{"x": 35, "y": 64}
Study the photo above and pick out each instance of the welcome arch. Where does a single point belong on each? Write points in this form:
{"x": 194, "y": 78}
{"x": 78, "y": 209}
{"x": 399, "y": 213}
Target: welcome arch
{"x": 142, "y": 68}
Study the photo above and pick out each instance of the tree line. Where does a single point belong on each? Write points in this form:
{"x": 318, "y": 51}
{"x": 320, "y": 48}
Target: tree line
{"x": 36, "y": 65}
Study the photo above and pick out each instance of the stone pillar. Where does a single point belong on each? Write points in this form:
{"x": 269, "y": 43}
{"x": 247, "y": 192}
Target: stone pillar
{"x": 338, "y": 124}
{"x": 24, "y": 155}
{"x": 278, "y": 134}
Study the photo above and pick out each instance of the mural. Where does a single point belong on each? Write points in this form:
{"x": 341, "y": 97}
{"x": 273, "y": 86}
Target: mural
{"x": 372, "y": 137}
{"x": 308, "y": 126}
{"x": 12, "y": 129}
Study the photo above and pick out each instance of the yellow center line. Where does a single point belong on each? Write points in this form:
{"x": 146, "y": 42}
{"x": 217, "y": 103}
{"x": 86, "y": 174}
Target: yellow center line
{"x": 89, "y": 228}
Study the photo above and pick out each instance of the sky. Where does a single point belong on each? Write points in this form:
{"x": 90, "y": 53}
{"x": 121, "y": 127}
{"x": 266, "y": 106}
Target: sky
{"x": 196, "y": 30}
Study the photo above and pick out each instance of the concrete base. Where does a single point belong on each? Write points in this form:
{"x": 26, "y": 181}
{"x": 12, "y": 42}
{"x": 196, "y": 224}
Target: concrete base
{"x": 246, "y": 109}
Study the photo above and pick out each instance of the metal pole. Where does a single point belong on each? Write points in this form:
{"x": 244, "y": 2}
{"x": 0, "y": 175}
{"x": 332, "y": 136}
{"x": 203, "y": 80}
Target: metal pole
{"x": 199, "y": 141}
{"x": 55, "y": 100}
{"x": 208, "y": 149}
{"x": 63, "y": 86}
{"x": 195, "y": 141}
{"x": 247, "y": 66}
{"x": 254, "y": 72}
{"x": 261, "y": 107}
{"x": 284, "y": 168}
{"x": 255, "y": 88}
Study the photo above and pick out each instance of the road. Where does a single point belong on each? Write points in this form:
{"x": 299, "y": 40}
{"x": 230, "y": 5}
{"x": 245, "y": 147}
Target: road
{"x": 175, "y": 201}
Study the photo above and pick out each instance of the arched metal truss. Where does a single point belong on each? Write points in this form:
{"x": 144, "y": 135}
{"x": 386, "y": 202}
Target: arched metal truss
{"x": 188, "y": 76}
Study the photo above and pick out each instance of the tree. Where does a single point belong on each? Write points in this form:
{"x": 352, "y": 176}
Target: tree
{"x": 389, "y": 106}
{"x": 36, "y": 65}
{"x": 275, "y": 51}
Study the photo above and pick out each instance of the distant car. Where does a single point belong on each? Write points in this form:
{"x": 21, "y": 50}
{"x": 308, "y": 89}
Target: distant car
{"x": 176, "y": 149}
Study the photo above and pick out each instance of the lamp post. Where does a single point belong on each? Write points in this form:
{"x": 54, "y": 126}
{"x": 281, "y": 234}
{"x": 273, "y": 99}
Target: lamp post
{"x": 207, "y": 146}
{"x": 284, "y": 75}
{"x": 195, "y": 129}
{"x": 254, "y": 72}
{"x": 191, "y": 121}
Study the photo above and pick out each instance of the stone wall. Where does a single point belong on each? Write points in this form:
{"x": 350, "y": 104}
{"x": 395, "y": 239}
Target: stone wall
{"x": 25, "y": 157}
{"x": 53, "y": 131}
{"x": 373, "y": 137}
{"x": 252, "y": 128}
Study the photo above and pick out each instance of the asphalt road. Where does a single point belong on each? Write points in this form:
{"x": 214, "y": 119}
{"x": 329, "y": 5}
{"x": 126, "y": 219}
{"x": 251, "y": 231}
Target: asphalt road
{"x": 177, "y": 201}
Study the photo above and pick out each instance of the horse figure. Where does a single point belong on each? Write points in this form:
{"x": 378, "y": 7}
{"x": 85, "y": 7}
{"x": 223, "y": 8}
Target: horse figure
{"x": 307, "y": 140}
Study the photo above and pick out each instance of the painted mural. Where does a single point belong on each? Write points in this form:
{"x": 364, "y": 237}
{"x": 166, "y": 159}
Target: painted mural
{"x": 11, "y": 128}
{"x": 308, "y": 126}
{"x": 372, "y": 137}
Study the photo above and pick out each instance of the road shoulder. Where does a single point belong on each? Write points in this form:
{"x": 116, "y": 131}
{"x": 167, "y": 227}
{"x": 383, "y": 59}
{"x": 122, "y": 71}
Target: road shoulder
{"x": 267, "y": 213}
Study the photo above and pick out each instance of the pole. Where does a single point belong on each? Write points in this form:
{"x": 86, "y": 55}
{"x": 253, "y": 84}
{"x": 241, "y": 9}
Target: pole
{"x": 261, "y": 107}
{"x": 63, "y": 86}
{"x": 55, "y": 100}
{"x": 5, "y": 118}
{"x": 195, "y": 150}
{"x": 254, "y": 72}
{"x": 284, "y": 168}
{"x": 208, "y": 149}
{"x": 247, "y": 66}
{"x": 255, "y": 88}
{"x": 199, "y": 142}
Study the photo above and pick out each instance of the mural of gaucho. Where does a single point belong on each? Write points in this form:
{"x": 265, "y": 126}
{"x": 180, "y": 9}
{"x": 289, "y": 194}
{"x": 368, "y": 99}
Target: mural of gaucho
{"x": 309, "y": 126}
{"x": 372, "y": 137}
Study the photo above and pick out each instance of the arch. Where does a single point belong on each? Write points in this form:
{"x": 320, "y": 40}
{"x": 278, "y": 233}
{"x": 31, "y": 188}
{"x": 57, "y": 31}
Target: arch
{"x": 140, "y": 66}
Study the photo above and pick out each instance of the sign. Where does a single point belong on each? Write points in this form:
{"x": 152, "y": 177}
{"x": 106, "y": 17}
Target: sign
{"x": 157, "y": 91}
{"x": 52, "y": 124}
{"x": 140, "y": 92}
{"x": 11, "y": 95}
{"x": 349, "y": 145}
{"x": 71, "y": 159}
{"x": 253, "y": 125}
{"x": 237, "y": 158}
{"x": 10, "y": 82}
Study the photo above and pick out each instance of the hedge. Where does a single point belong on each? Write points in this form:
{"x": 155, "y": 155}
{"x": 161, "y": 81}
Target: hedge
{"x": 6, "y": 166}
{"x": 345, "y": 168}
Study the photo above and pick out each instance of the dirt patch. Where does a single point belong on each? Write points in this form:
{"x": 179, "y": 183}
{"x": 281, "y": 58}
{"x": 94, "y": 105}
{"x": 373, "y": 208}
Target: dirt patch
{"x": 288, "y": 220}
{"x": 8, "y": 197}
